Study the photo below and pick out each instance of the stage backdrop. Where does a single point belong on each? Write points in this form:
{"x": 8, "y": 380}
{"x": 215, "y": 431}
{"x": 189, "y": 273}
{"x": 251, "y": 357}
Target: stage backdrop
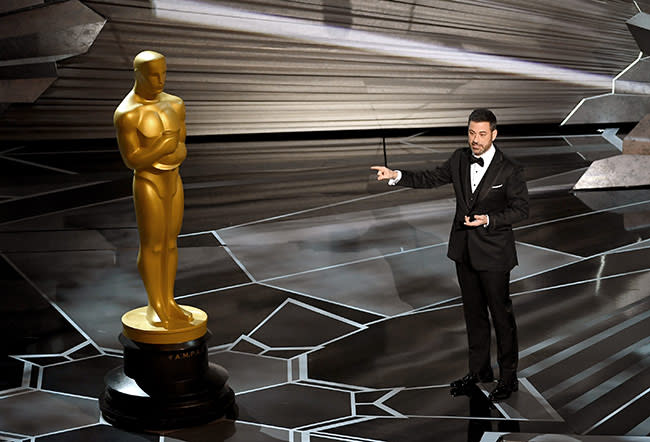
{"x": 309, "y": 65}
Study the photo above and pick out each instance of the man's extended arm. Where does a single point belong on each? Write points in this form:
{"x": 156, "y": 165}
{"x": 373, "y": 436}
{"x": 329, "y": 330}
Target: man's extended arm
{"x": 418, "y": 179}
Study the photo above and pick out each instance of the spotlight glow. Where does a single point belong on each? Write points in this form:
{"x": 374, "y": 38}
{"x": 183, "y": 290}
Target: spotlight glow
{"x": 210, "y": 15}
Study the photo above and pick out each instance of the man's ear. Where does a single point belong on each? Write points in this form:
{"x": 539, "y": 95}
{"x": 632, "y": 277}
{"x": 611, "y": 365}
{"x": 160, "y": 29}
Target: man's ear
{"x": 494, "y": 134}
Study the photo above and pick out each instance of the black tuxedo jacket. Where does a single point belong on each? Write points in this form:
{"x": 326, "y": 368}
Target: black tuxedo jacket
{"x": 502, "y": 195}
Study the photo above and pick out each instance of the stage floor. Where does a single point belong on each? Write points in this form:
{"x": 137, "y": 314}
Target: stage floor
{"x": 330, "y": 298}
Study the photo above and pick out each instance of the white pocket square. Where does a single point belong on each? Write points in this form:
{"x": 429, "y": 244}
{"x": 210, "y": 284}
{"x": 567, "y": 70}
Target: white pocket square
{"x": 497, "y": 186}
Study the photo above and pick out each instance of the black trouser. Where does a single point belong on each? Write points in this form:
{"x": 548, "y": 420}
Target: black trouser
{"x": 482, "y": 291}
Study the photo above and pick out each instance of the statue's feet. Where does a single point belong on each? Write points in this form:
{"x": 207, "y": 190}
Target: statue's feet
{"x": 172, "y": 316}
{"x": 156, "y": 318}
{"x": 177, "y": 313}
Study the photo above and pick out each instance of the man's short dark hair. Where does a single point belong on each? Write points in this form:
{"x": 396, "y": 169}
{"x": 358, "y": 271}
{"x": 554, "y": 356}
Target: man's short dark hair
{"x": 482, "y": 114}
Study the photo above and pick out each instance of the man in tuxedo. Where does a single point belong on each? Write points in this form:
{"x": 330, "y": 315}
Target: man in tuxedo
{"x": 491, "y": 195}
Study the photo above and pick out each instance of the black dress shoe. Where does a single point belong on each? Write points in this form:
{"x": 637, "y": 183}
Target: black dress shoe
{"x": 503, "y": 390}
{"x": 467, "y": 384}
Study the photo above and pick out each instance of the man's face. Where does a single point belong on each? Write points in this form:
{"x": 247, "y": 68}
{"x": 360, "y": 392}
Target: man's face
{"x": 151, "y": 76}
{"x": 480, "y": 137}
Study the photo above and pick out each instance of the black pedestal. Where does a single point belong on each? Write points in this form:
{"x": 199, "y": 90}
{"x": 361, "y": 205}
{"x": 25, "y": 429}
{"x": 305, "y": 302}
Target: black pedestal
{"x": 166, "y": 386}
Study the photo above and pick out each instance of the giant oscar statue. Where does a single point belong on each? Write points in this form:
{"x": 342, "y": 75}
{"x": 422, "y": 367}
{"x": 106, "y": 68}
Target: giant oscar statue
{"x": 166, "y": 381}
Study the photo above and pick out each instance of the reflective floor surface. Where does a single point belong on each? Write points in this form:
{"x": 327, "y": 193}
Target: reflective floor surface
{"x": 330, "y": 299}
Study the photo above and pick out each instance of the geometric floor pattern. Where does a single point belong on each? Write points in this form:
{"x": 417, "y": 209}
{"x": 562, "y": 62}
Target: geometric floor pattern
{"x": 330, "y": 298}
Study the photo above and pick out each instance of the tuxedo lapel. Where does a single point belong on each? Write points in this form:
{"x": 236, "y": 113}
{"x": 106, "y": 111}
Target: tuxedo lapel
{"x": 490, "y": 176}
{"x": 464, "y": 176}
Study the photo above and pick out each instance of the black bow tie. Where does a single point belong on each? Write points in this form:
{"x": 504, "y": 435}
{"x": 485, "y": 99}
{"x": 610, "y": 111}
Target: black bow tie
{"x": 473, "y": 159}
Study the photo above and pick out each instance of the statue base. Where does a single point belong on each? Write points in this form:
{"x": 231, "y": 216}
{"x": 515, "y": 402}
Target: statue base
{"x": 166, "y": 386}
{"x": 137, "y": 327}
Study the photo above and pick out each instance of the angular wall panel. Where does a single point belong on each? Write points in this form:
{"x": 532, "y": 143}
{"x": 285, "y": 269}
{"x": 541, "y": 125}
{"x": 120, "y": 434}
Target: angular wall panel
{"x": 611, "y": 108}
{"x": 24, "y": 84}
{"x": 629, "y": 100}
{"x": 13, "y": 5}
{"x": 32, "y": 39}
{"x": 639, "y": 27}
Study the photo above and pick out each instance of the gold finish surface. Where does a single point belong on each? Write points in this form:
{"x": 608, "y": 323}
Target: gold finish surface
{"x": 137, "y": 327}
{"x": 150, "y": 127}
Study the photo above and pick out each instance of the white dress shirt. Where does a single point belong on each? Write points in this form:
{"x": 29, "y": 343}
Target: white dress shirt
{"x": 476, "y": 171}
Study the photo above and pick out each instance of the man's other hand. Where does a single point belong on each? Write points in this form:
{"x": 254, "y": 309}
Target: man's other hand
{"x": 479, "y": 220}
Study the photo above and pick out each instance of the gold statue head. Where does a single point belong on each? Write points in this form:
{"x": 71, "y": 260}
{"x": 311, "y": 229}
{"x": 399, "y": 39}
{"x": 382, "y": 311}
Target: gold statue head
{"x": 150, "y": 71}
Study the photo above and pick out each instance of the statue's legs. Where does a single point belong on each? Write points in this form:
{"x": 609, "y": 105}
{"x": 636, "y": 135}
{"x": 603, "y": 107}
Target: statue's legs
{"x": 149, "y": 209}
{"x": 176, "y": 207}
{"x": 158, "y": 225}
